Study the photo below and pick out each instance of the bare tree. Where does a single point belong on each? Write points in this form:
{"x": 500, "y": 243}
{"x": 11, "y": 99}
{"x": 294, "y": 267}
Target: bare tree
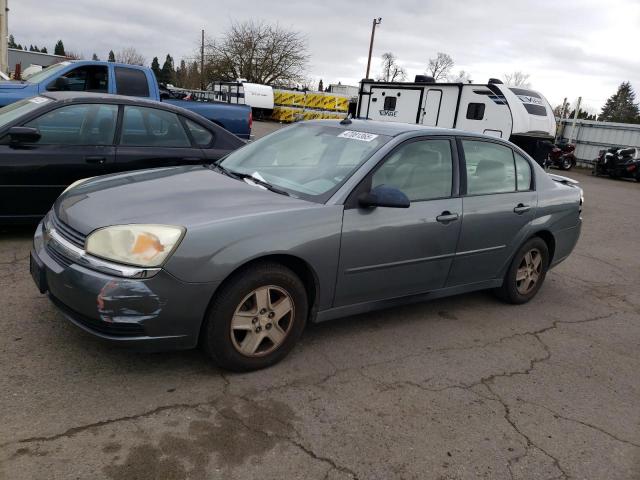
{"x": 391, "y": 71}
{"x": 259, "y": 52}
{"x": 517, "y": 79}
{"x": 129, "y": 55}
{"x": 440, "y": 66}
{"x": 460, "y": 77}
{"x": 70, "y": 55}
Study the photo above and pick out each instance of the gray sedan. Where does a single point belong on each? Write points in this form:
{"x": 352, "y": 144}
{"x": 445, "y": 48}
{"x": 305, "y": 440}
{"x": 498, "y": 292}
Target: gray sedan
{"x": 319, "y": 220}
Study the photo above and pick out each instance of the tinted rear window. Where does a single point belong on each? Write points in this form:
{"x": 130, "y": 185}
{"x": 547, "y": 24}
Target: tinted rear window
{"x": 536, "y": 109}
{"x": 131, "y": 82}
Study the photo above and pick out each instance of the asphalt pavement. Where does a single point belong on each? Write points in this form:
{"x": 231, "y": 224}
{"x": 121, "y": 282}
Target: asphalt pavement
{"x": 460, "y": 388}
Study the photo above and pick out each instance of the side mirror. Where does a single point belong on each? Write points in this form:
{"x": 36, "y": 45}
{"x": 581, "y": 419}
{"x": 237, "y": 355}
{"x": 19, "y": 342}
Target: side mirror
{"x": 20, "y": 135}
{"x": 60, "y": 84}
{"x": 383, "y": 196}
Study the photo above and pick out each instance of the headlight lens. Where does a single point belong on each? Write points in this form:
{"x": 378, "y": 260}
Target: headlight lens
{"x": 75, "y": 184}
{"x": 139, "y": 245}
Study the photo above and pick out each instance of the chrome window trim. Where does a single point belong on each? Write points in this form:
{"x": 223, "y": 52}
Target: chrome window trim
{"x": 81, "y": 257}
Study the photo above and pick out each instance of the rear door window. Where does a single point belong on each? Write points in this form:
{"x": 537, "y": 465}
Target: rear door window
{"x": 152, "y": 127}
{"x": 131, "y": 82}
{"x": 523, "y": 173}
{"x": 201, "y": 136}
{"x": 490, "y": 168}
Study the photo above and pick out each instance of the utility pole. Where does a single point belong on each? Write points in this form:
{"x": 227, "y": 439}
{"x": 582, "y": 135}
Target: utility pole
{"x": 201, "y": 61}
{"x": 376, "y": 21}
{"x": 560, "y": 128}
{"x": 4, "y": 36}
{"x": 575, "y": 118}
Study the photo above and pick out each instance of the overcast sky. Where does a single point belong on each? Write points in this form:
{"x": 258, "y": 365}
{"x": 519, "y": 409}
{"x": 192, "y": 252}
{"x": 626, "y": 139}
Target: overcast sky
{"x": 569, "y": 47}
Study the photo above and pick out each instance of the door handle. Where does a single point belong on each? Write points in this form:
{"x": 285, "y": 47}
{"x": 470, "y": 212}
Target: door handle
{"x": 95, "y": 159}
{"x": 521, "y": 208}
{"x": 447, "y": 217}
{"x": 193, "y": 159}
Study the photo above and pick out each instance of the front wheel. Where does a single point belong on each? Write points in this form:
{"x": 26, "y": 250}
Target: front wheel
{"x": 526, "y": 273}
{"x": 567, "y": 164}
{"x": 256, "y": 318}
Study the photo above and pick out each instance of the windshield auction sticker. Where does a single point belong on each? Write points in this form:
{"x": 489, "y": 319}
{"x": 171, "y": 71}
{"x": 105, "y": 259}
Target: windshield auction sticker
{"x": 38, "y": 100}
{"x": 362, "y": 136}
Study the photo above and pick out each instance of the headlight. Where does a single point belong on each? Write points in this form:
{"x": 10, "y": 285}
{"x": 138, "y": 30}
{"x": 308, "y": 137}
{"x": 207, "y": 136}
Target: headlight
{"x": 140, "y": 245}
{"x": 75, "y": 184}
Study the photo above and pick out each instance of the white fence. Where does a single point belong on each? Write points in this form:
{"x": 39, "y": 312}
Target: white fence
{"x": 590, "y": 137}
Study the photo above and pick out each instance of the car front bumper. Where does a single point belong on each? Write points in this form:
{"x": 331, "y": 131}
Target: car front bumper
{"x": 150, "y": 314}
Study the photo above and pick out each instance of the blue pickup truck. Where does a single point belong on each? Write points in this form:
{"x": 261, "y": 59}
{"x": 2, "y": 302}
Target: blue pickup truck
{"x": 122, "y": 79}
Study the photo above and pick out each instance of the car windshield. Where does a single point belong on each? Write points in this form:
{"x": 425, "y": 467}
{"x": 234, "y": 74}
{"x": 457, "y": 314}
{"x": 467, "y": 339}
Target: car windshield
{"x": 47, "y": 72}
{"x": 14, "y": 110}
{"x": 307, "y": 160}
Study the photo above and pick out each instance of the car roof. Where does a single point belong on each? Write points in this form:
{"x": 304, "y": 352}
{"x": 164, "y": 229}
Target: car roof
{"x": 92, "y": 97}
{"x": 97, "y": 97}
{"x": 392, "y": 129}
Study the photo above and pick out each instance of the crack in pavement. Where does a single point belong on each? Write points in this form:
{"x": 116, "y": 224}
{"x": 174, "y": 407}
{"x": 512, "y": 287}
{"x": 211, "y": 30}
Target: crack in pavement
{"x": 583, "y": 423}
{"x": 296, "y": 443}
{"x": 324, "y": 379}
{"x": 530, "y": 443}
{"x": 486, "y": 381}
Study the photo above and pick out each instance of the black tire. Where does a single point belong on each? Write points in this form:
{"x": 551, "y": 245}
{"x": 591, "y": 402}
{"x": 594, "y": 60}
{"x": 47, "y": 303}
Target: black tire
{"x": 509, "y": 291}
{"x": 217, "y": 333}
{"x": 566, "y": 164}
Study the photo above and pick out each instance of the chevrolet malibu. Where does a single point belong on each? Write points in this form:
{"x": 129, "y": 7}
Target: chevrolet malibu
{"x": 320, "y": 220}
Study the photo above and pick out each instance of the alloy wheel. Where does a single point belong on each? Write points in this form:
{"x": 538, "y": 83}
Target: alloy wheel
{"x": 262, "y": 321}
{"x": 529, "y": 271}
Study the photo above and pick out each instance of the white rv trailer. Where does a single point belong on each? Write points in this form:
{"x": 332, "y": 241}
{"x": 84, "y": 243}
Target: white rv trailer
{"x": 520, "y": 115}
{"x": 257, "y": 96}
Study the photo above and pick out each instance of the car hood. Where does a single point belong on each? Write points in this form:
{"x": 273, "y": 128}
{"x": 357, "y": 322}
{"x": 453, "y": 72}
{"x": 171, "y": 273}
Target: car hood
{"x": 188, "y": 196}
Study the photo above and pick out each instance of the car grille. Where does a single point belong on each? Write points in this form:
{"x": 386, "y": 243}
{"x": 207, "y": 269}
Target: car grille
{"x": 116, "y": 329}
{"x": 68, "y": 233}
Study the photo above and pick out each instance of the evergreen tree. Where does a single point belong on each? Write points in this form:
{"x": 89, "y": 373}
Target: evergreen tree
{"x": 112, "y": 56}
{"x": 43, "y": 50}
{"x": 35, "y": 48}
{"x": 11, "y": 43}
{"x": 621, "y": 106}
{"x": 167, "y": 73}
{"x": 59, "y": 48}
{"x": 19, "y": 47}
{"x": 31, "y": 48}
{"x": 94, "y": 57}
{"x": 155, "y": 67}
{"x": 181, "y": 74}
{"x": 320, "y": 86}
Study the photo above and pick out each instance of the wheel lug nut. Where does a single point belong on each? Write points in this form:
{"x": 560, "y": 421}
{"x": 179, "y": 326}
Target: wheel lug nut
{"x": 254, "y": 320}
{"x": 271, "y": 314}
{"x": 268, "y": 326}
{"x": 263, "y": 311}
{"x": 258, "y": 329}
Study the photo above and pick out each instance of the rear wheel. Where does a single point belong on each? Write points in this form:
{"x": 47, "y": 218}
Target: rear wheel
{"x": 567, "y": 164}
{"x": 526, "y": 273}
{"x": 256, "y": 318}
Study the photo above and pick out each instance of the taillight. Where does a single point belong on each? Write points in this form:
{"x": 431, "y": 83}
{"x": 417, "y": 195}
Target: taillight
{"x": 250, "y": 120}
{"x": 631, "y": 167}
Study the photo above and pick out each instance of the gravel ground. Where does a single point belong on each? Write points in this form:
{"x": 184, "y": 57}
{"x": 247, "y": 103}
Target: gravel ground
{"x": 459, "y": 388}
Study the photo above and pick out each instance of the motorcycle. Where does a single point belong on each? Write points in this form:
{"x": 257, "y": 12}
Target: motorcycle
{"x": 618, "y": 162}
{"x": 562, "y": 156}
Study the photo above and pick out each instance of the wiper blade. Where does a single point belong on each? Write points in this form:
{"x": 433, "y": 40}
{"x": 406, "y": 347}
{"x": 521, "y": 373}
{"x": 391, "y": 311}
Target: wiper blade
{"x": 224, "y": 171}
{"x": 259, "y": 181}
